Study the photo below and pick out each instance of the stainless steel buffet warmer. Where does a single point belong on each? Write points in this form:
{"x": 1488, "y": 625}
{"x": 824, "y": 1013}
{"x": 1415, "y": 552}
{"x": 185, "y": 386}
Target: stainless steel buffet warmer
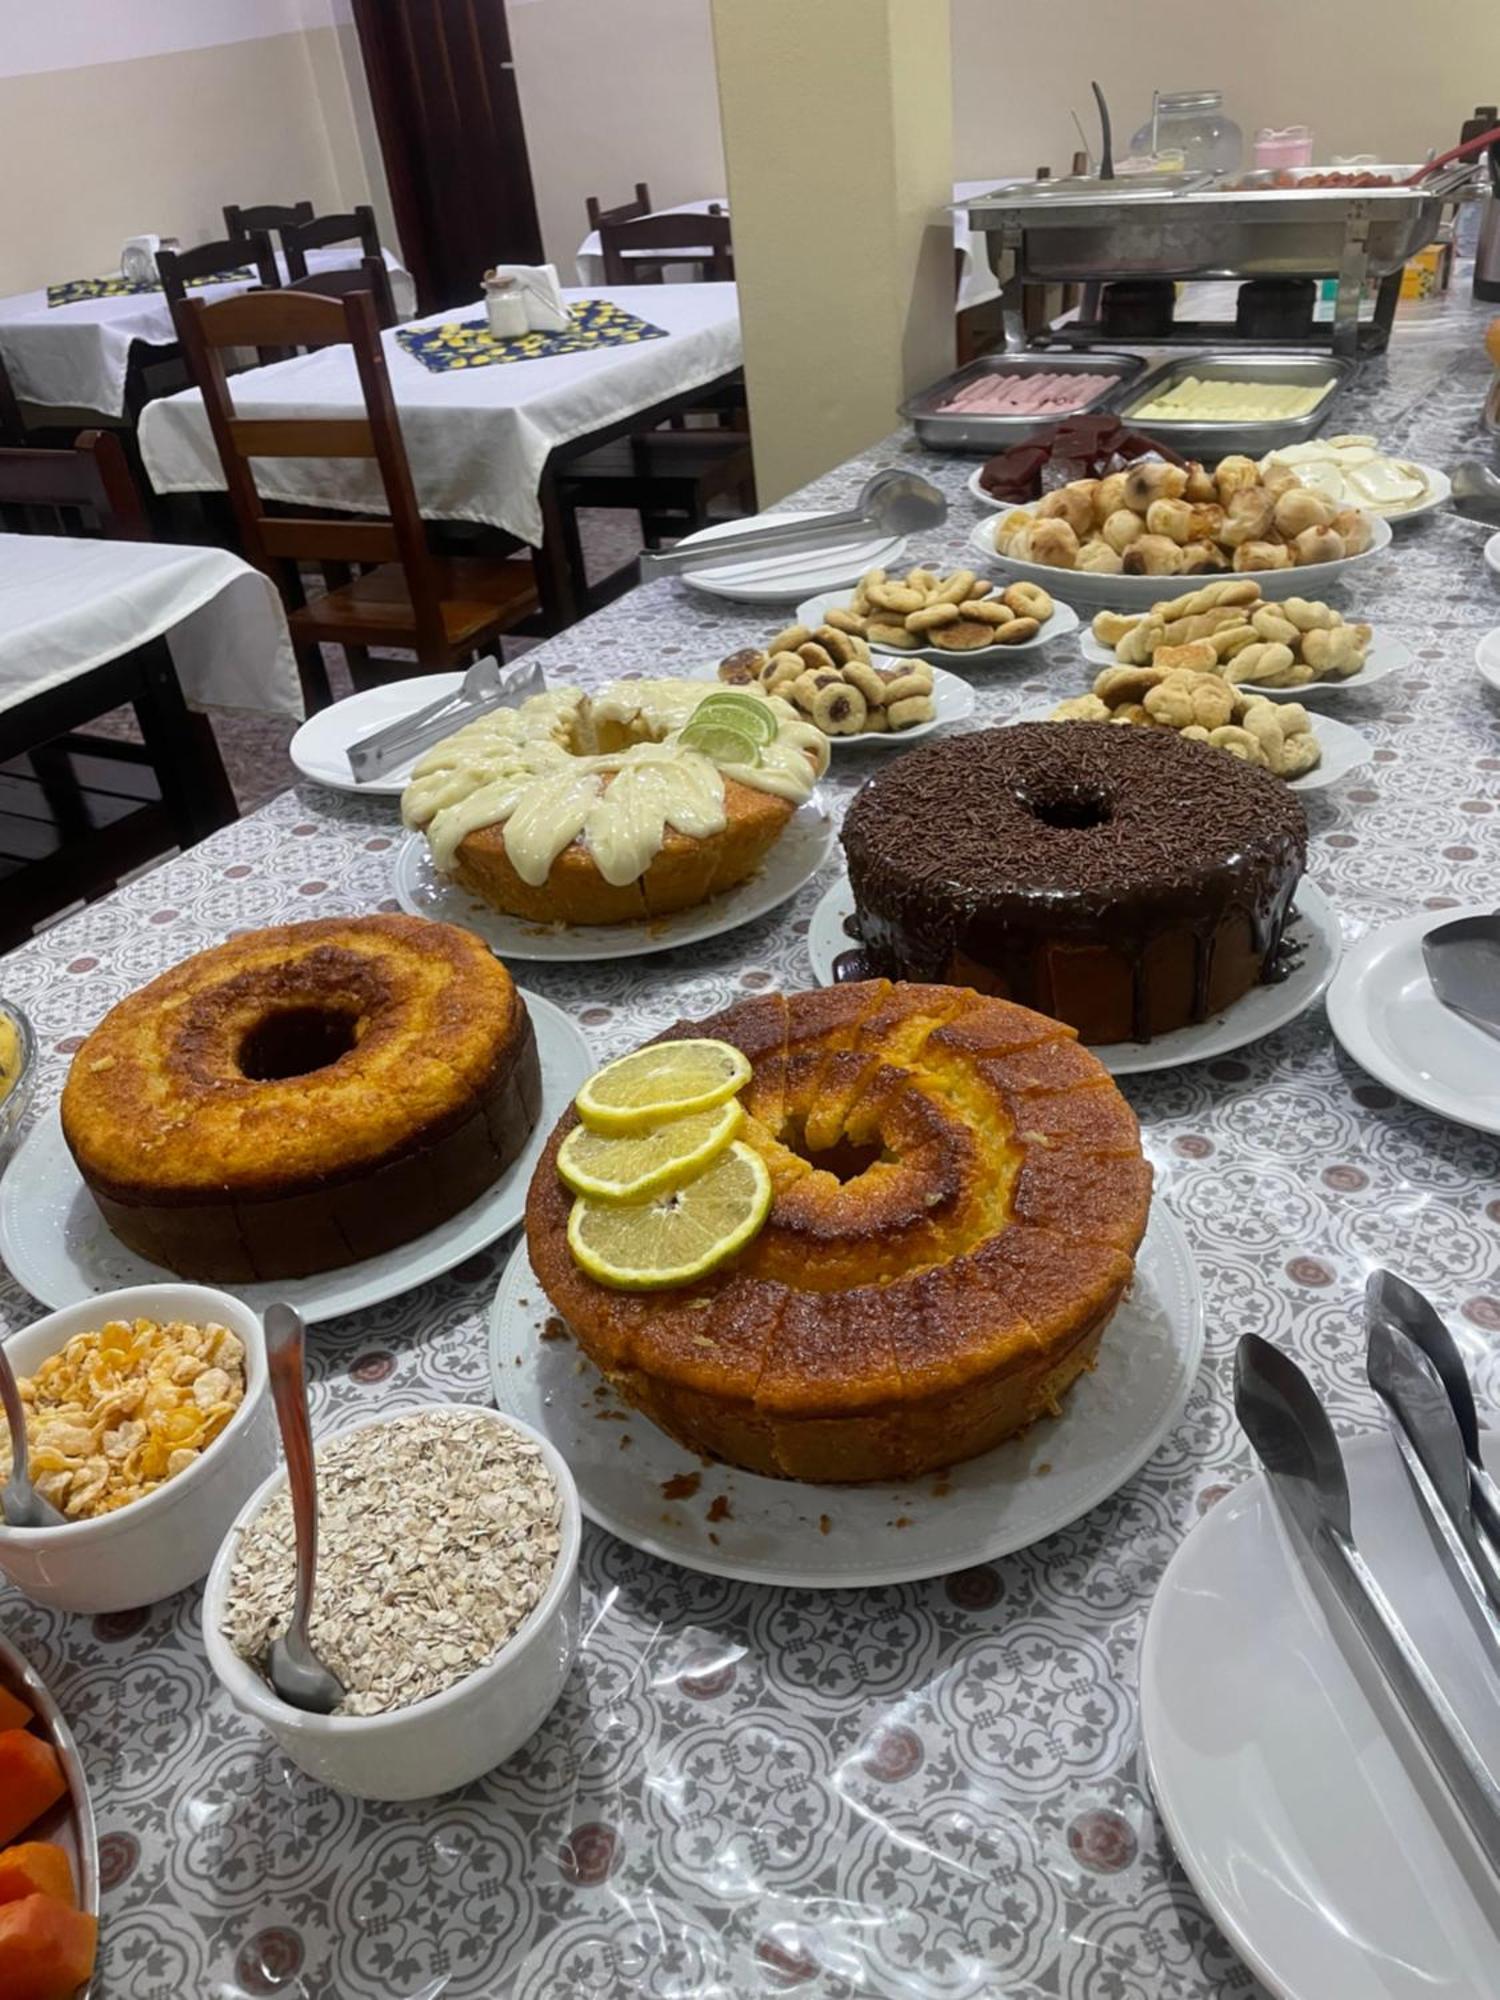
{"x": 1090, "y": 231}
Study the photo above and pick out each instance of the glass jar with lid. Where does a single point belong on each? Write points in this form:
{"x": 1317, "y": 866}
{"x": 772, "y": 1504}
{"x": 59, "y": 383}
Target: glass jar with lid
{"x": 1193, "y": 123}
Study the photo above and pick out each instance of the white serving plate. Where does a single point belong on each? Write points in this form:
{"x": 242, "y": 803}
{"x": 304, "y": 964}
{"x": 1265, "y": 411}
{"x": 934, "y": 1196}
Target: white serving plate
{"x": 1257, "y": 1013}
{"x": 1139, "y": 593}
{"x": 782, "y": 579}
{"x": 1280, "y": 1787}
{"x": 1439, "y": 489}
{"x": 56, "y": 1243}
{"x": 952, "y": 701}
{"x": 1487, "y": 658}
{"x": 1344, "y": 749}
{"x": 1383, "y": 1010}
{"x": 1111, "y": 1422}
{"x": 319, "y": 748}
{"x": 1387, "y": 655}
{"x": 1064, "y": 620}
{"x": 795, "y": 859}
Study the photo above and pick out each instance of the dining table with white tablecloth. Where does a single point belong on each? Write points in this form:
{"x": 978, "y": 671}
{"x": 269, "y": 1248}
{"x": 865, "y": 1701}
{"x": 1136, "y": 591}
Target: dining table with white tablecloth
{"x": 478, "y": 437}
{"x": 77, "y": 356}
{"x": 69, "y": 605}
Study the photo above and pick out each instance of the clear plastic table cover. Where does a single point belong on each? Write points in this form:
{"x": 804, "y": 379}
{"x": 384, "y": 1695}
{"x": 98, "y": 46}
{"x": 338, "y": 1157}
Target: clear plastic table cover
{"x": 934, "y": 1790}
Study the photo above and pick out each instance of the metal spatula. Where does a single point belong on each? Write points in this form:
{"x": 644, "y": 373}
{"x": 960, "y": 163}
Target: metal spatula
{"x": 890, "y": 503}
{"x": 1476, "y": 493}
{"x": 1463, "y": 963}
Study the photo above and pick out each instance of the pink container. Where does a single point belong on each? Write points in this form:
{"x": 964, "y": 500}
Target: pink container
{"x": 1286, "y": 146}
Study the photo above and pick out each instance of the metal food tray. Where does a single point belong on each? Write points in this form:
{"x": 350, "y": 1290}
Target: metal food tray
{"x": 973, "y": 431}
{"x": 1200, "y": 439}
{"x": 70, "y": 1823}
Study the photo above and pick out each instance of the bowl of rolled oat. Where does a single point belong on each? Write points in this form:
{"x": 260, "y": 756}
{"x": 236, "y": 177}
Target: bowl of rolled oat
{"x": 148, "y": 1423}
{"x": 447, "y": 1599}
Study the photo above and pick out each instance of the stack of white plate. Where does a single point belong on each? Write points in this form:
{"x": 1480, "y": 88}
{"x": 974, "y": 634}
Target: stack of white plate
{"x": 788, "y": 577}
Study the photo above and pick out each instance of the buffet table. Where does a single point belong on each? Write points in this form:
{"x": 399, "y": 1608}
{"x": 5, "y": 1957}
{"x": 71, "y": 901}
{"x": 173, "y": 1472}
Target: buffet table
{"x": 935, "y": 1789}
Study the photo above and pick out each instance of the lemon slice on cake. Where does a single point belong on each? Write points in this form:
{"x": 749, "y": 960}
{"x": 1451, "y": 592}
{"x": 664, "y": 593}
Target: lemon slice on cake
{"x": 663, "y": 1080}
{"x": 629, "y": 1167}
{"x": 678, "y": 1236}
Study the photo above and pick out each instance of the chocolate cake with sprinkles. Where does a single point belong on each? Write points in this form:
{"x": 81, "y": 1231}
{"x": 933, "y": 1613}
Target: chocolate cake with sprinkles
{"x": 1121, "y": 880}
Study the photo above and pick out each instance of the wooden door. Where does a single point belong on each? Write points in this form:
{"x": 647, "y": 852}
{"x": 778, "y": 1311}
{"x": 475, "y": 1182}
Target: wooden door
{"x": 443, "y": 88}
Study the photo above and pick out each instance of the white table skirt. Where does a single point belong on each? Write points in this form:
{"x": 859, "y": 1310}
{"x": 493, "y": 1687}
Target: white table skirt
{"x": 77, "y": 357}
{"x": 68, "y": 605}
{"x": 477, "y": 438}
{"x": 976, "y": 285}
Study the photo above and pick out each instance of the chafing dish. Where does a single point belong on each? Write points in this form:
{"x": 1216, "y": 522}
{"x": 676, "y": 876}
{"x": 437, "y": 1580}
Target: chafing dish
{"x": 964, "y": 430}
{"x": 1100, "y": 230}
{"x": 1195, "y": 438}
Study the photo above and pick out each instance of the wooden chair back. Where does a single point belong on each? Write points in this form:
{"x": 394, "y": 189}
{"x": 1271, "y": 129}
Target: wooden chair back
{"x": 273, "y": 217}
{"x": 627, "y": 211}
{"x": 368, "y": 275}
{"x": 87, "y": 486}
{"x": 176, "y": 268}
{"x": 283, "y": 318}
{"x": 658, "y": 240}
{"x": 359, "y": 225}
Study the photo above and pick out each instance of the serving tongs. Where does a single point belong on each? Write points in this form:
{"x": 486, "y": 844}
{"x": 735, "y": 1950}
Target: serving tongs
{"x": 485, "y": 687}
{"x": 1290, "y": 1432}
{"x": 1476, "y": 493}
{"x": 890, "y": 503}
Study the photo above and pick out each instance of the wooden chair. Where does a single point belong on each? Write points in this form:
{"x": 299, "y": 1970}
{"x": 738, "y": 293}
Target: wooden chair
{"x": 12, "y": 428}
{"x": 79, "y": 811}
{"x": 659, "y": 240}
{"x": 177, "y": 268}
{"x": 273, "y": 217}
{"x": 368, "y": 275}
{"x": 627, "y": 211}
{"x": 359, "y": 226}
{"x": 445, "y": 610}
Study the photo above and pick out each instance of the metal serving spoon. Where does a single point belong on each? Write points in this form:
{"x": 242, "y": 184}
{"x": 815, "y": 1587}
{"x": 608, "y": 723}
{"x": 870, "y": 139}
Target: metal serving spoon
{"x": 1463, "y": 962}
{"x": 1476, "y": 493}
{"x": 892, "y": 502}
{"x": 21, "y": 1506}
{"x": 293, "y": 1668}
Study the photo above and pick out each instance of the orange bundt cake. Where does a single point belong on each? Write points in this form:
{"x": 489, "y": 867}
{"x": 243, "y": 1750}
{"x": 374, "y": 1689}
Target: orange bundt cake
{"x": 590, "y": 809}
{"x": 959, "y": 1193}
{"x": 303, "y": 1097}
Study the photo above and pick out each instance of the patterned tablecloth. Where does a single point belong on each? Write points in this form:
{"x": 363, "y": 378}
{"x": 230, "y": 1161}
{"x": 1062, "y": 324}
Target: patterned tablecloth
{"x": 934, "y": 1790}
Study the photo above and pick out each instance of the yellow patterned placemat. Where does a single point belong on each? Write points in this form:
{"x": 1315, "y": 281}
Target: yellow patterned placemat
{"x": 78, "y": 289}
{"x": 468, "y": 343}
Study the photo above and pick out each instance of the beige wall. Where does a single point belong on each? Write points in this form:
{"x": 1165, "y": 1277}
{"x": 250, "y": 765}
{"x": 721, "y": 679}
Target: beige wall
{"x": 93, "y": 154}
{"x": 1369, "y": 76}
{"x": 614, "y": 92}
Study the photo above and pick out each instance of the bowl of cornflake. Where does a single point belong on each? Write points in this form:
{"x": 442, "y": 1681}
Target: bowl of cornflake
{"x": 447, "y": 1599}
{"x": 148, "y": 1424}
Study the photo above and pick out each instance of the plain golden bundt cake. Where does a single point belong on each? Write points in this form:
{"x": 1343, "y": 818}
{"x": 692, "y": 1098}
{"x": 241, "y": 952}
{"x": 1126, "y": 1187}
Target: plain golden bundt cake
{"x": 589, "y": 809}
{"x": 303, "y": 1097}
{"x": 959, "y": 1193}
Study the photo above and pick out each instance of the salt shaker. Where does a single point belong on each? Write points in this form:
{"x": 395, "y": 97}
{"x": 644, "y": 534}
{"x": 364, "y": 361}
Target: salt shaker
{"x": 505, "y": 306}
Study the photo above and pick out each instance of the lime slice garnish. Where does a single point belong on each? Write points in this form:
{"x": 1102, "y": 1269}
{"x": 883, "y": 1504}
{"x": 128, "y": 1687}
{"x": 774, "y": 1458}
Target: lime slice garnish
{"x": 738, "y": 711}
{"x": 720, "y": 742}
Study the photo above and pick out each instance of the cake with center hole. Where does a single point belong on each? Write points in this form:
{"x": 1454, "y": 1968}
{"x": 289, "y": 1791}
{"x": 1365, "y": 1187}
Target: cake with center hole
{"x": 590, "y": 809}
{"x": 301, "y": 1098}
{"x": 1125, "y": 881}
{"x": 958, "y": 1196}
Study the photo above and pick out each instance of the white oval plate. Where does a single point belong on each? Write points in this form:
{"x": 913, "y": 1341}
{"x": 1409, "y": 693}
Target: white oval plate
{"x": 1064, "y": 620}
{"x": 319, "y": 747}
{"x": 987, "y": 499}
{"x": 1281, "y": 1789}
{"x": 775, "y": 1532}
{"x": 1344, "y": 749}
{"x": 1386, "y": 655}
{"x": 1383, "y": 1010}
{"x": 1492, "y": 553}
{"x": 57, "y": 1244}
{"x": 782, "y": 579}
{"x": 795, "y": 859}
{"x": 1139, "y": 593}
{"x": 1257, "y": 1013}
{"x": 1439, "y": 488}
{"x": 1487, "y": 658}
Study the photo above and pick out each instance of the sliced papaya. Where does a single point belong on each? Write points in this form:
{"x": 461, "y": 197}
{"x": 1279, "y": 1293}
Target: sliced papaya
{"x": 36, "y": 1868}
{"x": 31, "y": 1779}
{"x": 46, "y": 1949}
{"x": 14, "y": 1714}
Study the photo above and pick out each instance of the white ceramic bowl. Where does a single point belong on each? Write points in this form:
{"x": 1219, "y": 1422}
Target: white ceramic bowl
{"x": 1139, "y": 593}
{"x": 451, "y": 1738}
{"x": 160, "y": 1544}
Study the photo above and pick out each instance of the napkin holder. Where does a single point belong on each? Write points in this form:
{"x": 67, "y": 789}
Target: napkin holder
{"x": 138, "y": 259}
{"x": 538, "y": 286}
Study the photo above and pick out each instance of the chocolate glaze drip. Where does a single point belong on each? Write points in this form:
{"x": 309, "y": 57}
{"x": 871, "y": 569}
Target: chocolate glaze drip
{"x": 986, "y": 850}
